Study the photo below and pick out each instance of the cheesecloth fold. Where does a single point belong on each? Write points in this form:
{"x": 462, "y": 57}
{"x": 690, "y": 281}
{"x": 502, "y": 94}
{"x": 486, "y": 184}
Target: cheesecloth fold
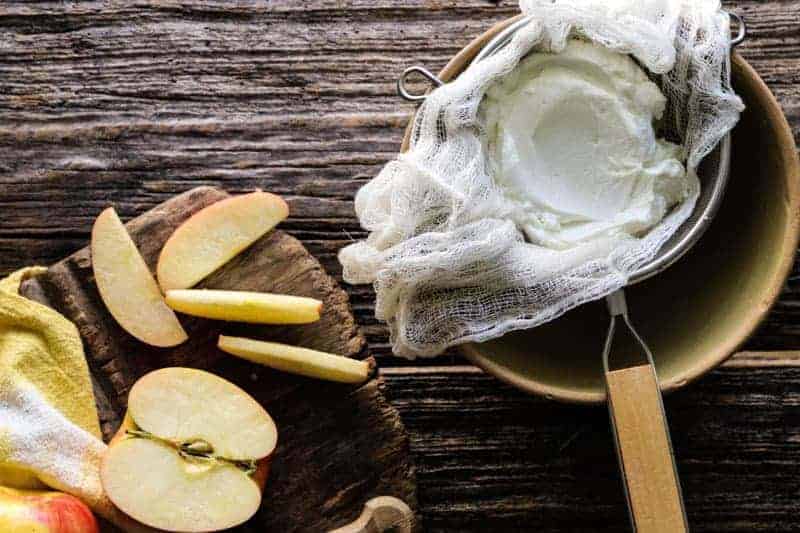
{"x": 447, "y": 263}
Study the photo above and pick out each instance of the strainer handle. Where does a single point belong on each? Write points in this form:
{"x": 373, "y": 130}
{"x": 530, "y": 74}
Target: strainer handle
{"x": 641, "y": 436}
{"x": 403, "y": 91}
{"x": 742, "y": 32}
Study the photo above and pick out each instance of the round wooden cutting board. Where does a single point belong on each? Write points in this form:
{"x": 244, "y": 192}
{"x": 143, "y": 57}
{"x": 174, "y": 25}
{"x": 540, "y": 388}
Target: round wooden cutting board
{"x": 338, "y": 445}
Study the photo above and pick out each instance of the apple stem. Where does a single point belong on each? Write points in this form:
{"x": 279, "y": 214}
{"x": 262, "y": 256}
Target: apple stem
{"x": 196, "y": 450}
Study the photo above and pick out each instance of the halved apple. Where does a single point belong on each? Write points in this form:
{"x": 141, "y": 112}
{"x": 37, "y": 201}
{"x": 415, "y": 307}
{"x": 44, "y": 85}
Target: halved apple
{"x": 192, "y": 455}
{"x": 244, "y": 306}
{"x": 214, "y": 235}
{"x": 127, "y": 287}
{"x": 296, "y": 360}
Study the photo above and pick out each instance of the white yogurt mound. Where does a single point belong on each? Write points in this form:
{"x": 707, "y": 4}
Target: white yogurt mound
{"x": 571, "y": 143}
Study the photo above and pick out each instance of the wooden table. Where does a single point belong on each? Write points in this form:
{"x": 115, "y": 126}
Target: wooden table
{"x": 133, "y": 102}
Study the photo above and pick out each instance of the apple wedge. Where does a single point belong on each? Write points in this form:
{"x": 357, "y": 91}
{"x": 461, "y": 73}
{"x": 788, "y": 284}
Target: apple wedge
{"x": 127, "y": 287}
{"x": 296, "y": 360}
{"x": 214, "y": 235}
{"x": 244, "y": 306}
{"x": 192, "y": 454}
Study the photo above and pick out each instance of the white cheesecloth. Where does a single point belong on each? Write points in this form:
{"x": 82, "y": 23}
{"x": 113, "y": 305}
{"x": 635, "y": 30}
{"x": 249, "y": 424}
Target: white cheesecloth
{"x": 447, "y": 263}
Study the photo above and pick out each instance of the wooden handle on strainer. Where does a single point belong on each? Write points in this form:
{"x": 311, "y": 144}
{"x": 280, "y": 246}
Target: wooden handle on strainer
{"x": 645, "y": 450}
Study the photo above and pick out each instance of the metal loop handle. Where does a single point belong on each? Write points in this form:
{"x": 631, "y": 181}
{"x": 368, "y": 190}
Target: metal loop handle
{"x": 618, "y": 308}
{"x": 740, "y": 36}
{"x": 401, "y": 83}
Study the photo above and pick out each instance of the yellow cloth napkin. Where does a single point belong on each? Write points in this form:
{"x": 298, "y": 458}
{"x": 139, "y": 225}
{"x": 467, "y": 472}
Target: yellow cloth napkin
{"x": 49, "y": 428}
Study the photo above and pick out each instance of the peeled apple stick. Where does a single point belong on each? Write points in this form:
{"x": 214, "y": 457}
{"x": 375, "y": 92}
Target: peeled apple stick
{"x": 244, "y": 306}
{"x": 296, "y": 360}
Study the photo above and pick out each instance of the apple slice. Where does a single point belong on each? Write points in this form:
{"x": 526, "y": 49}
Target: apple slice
{"x": 127, "y": 287}
{"x": 296, "y": 360}
{"x": 214, "y": 235}
{"x": 192, "y": 454}
{"x": 244, "y": 306}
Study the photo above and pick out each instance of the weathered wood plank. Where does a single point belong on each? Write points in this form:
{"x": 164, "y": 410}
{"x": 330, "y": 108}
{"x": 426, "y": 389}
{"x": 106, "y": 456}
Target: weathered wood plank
{"x": 490, "y": 458}
{"x": 178, "y": 111}
{"x": 105, "y": 101}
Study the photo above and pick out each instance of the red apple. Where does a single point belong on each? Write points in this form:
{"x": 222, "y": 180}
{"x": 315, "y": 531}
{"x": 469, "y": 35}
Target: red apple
{"x": 38, "y": 511}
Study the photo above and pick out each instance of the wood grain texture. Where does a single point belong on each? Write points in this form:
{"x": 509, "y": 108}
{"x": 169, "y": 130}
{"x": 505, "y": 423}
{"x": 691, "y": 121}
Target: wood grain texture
{"x": 490, "y": 458}
{"x": 133, "y": 102}
{"x": 338, "y": 446}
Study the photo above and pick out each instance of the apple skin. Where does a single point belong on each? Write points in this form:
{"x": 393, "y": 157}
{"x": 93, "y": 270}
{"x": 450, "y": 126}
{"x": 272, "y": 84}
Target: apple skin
{"x": 216, "y": 234}
{"x": 37, "y": 511}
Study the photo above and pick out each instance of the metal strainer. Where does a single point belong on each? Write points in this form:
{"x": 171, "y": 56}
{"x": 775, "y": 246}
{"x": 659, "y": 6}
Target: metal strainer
{"x": 641, "y": 434}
